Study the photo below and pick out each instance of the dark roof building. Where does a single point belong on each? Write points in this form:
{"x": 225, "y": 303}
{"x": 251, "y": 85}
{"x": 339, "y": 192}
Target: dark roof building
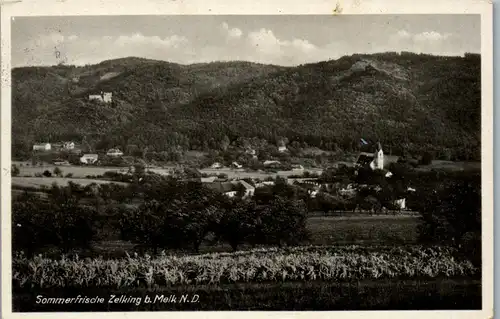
{"x": 364, "y": 159}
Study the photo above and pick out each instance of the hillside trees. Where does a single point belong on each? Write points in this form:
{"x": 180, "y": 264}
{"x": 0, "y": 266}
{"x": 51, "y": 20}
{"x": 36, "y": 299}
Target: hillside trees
{"x": 321, "y": 104}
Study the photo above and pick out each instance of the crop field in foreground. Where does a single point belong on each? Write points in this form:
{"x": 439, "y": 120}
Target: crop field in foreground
{"x": 255, "y": 266}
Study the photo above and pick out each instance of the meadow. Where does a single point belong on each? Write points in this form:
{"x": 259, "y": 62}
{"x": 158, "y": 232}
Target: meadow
{"x": 391, "y": 229}
{"x": 84, "y": 171}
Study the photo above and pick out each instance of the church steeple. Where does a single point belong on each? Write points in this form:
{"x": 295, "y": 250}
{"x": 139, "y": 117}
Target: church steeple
{"x": 379, "y": 157}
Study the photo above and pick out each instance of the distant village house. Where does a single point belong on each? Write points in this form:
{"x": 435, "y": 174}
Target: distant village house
{"x": 114, "y": 152}
{"x": 400, "y": 203}
{"x": 216, "y": 165}
{"x": 236, "y": 165}
{"x": 231, "y": 188}
{"x": 69, "y": 145}
{"x": 89, "y": 158}
{"x": 282, "y": 149}
{"x": 250, "y": 151}
{"x": 42, "y": 147}
{"x": 270, "y": 163}
{"x": 105, "y": 97}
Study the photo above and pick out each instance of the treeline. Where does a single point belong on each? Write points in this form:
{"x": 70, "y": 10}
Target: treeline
{"x": 323, "y": 105}
{"x": 157, "y": 213}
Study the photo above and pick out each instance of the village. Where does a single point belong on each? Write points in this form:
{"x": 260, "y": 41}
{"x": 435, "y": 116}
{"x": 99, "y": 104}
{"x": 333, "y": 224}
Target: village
{"x": 246, "y": 162}
{"x": 231, "y": 178}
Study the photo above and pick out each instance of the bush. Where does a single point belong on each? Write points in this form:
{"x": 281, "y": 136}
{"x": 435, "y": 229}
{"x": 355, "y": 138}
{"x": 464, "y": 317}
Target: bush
{"x": 426, "y": 159}
{"x": 160, "y": 225}
{"x": 60, "y": 222}
{"x": 47, "y": 174}
{"x": 15, "y": 170}
{"x": 69, "y": 175}
{"x": 452, "y": 215}
{"x": 58, "y": 172}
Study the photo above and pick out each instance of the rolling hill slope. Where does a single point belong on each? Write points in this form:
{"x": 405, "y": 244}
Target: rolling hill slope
{"x": 409, "y": 102}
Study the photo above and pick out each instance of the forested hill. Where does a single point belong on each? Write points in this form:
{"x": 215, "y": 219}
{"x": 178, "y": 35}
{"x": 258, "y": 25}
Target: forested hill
{"x": 407, "y": 101}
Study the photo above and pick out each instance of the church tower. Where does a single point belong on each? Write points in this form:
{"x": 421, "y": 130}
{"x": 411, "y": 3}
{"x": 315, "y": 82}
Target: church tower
{"x": 379, "y": 157}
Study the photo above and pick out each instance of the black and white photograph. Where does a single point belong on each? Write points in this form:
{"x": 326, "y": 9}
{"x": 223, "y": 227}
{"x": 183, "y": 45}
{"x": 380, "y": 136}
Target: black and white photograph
{"x": 167, "y": 162}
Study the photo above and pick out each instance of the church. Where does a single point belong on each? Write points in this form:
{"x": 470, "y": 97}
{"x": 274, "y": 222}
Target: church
{"x": 373, "y": 160}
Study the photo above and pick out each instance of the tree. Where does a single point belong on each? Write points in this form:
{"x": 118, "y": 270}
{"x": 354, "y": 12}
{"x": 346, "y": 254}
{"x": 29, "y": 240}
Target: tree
{"x": 145, "y": 225}
{"x": 58, "y": 172}
{"x": 426, "y": 158}
{"x": 47, "y": 174}
{"x": 282, "y": 222}
{"x": 59, "y": 222}
{"x": 238, "y": 224}
{"x": 224, "y": 144}
{"x": 452, "y": 215}
{"x": 15, "y": 170}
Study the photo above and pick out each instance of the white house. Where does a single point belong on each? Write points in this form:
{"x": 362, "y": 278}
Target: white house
{"x": 69, "y": 145}
{"x": 282, "y": 149}
{"x": 230, "y": 189}
{"x": 250, "y": 151}
{"x": 115, "y": 152}
{"x": 267, "y": 163}
{"x": 249, "y": 189}
{"x": 210, "y": 179}
{"x": 89, "y": 158}
{"x": 313, "y": 193}
{"x": 400, "y": 203}
{"x": 264, "y": 184}
{"x": 236, "y": 165}
{"x": 42, "y": 147}
{"x": 105, "y": 97}
{"x": 216, "y": 165}
{"x": 97, "y": 97}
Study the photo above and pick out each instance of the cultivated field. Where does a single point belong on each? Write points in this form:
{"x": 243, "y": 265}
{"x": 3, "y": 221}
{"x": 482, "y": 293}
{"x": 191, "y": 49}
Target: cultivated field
{"x": 304, "y": 278}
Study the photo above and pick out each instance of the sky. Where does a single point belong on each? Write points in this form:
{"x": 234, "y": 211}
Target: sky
{"x": 286, "y": 40}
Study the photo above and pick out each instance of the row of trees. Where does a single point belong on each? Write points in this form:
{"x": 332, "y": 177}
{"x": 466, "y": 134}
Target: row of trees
{"x": 161, "y": 212}
{"x": 170, "y": 214}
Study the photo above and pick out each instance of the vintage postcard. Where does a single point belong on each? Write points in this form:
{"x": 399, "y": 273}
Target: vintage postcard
{"x": 198, "y": 158}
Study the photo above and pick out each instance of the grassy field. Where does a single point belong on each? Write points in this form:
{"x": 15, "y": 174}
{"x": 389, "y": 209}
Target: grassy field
{"x": 451, "y": 166}
{"x": 398, "y": 229}
{"x": 77, "y": 171}
{"x": 83, "y": 171}
{"x": 61, "y": 181}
